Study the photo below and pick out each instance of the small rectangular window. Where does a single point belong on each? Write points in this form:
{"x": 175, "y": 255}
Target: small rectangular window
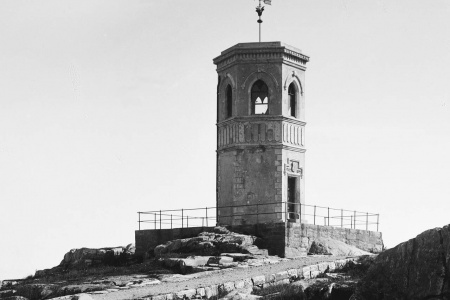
{"x": 292, "y": 101}
{"x": 229, "y": 94}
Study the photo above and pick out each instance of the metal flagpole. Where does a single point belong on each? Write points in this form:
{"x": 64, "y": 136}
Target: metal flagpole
{"x": 260, "y": 30}
{"x": 259, "y": 10}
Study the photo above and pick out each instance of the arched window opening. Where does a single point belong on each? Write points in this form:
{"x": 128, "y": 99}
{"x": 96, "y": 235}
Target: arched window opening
{"x": 292, "y": 100}
{"x": 260, "y": 98}
{"x": 229, "y": 103}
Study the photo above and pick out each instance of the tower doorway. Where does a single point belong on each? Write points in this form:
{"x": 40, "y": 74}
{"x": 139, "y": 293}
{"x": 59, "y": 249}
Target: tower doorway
{"x": 293, "y": 203}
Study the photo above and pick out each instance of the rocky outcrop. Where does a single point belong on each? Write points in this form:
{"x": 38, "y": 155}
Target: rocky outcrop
{"x": 210, "y": 244}
{"x": 327, "y": 246}
{"x": 88, "y": 257}
{"x": 36, "y": 291}
{"x": 416, "y": 269}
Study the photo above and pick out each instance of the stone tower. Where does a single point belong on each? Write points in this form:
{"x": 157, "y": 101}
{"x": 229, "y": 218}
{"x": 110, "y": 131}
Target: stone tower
{"x": 260, "y": 133}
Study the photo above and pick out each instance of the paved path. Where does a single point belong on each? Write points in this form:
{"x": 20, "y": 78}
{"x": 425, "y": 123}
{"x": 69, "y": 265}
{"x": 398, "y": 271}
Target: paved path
{"x": 208, "y": 278}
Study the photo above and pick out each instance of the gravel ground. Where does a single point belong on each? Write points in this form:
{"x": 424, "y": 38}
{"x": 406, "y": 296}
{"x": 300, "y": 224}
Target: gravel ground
{"x": 208, "y": 278}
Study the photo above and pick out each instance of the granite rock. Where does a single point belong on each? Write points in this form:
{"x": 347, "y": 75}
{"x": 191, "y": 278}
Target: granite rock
{"x": 416, "y": 269}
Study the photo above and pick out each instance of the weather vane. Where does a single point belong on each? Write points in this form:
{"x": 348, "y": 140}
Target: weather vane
{"x": 259, "y": 11}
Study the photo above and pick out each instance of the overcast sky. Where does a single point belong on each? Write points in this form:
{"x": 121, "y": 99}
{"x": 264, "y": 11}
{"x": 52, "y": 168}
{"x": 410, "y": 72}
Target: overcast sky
{"x": 108, "y": 108}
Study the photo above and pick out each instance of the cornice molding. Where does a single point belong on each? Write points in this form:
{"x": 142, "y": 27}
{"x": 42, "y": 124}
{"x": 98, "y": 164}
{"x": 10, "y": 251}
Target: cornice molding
{"x": 254, "y": 145}
{"x": 268, "y": 53}
{"x": 262, "y": 118}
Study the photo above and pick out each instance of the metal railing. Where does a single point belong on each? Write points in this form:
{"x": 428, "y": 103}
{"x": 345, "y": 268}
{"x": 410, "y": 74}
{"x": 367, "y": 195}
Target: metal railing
{"x": 258, "y": 213}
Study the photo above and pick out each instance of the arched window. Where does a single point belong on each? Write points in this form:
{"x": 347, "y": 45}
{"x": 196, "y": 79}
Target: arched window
{"x": 260, "y": 98}
{"x": 292, "y": 100}
{"x": 229, "y": 104}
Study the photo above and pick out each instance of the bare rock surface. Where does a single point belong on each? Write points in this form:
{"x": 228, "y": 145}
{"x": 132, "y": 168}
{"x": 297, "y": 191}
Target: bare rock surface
{"x": 212, "y": 243}
{"x": 88, "y": 256}
{"x": 36, "y": 291}
{"x": 328, "y": 246}
{"x": 416, "y": 269}
{"x": 83, "y": 258}
{"x": 324, "y": 288}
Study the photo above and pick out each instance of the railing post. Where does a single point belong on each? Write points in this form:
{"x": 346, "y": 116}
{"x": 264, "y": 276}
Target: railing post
{"x": 300, "y": 213}
{"x": 328, "y": 216}
{"x": 257, "y": 214}
{"x": 378, "y": 220}
{"x": 182, "y": 219}
{"x": 206, "y": 209}
{"x": 367, "y": 221}
{"x": 285, "y": 211}
{"x": 314, "y": 215}
{"x": 154, "y": 219}
{"x": 159, "y": 220}
{"x": 342, "y": 221}
{"x": 139, "y": 220}
{"x": 170, "y": 221}
{"x": 187, "y": 221}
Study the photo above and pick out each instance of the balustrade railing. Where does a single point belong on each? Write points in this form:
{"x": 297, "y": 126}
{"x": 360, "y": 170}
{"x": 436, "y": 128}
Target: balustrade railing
{"x": 258, "y": 213}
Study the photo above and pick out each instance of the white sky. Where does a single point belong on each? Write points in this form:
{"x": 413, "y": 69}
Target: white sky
{"x": 108, "y": 107}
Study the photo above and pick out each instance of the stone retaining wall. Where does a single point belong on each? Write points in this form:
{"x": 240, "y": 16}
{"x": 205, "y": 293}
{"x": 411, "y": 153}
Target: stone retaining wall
{"x": 299, "y": 238}
{"x": 291, "y": 240}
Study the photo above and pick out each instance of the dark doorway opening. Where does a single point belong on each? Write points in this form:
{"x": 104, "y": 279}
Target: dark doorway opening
{"x": 293, "y": 208}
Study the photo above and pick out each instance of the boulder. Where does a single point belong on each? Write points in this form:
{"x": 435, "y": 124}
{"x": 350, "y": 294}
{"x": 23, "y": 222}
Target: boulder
{"x": 416, "y": 269}
{"x": 211, "y": 244}
{"x": 327, "y": 246}
{"x": 196, "y": 263}
{"x": 220, "y": 260}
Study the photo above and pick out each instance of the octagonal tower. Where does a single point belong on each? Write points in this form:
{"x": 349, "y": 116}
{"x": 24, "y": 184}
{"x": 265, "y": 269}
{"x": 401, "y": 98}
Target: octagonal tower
{"x": 260, "y": 133}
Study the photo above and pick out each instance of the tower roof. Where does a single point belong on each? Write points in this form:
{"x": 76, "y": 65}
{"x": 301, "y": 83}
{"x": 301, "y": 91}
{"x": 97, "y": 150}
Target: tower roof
{"x": 264, "y": 52}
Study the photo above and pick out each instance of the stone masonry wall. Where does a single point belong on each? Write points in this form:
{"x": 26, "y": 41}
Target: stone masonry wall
{"x": 291, "y": 241}
{"x": 299, "y": 238}
{"x": 250, "y": 180}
